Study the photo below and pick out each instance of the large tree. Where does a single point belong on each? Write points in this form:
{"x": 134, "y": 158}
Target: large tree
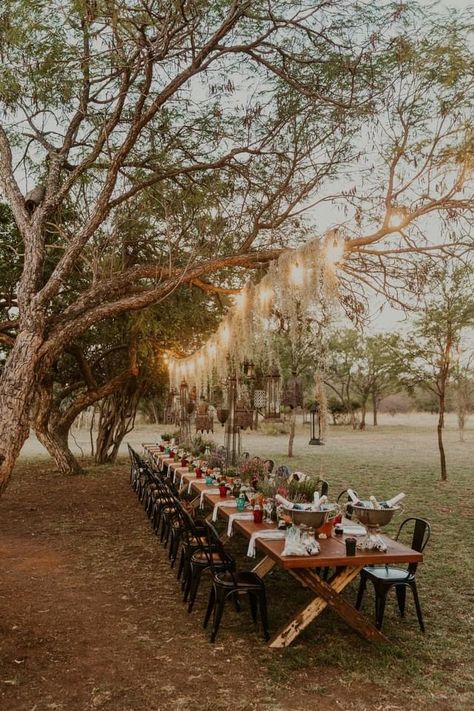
{"x": 227, "y": 117}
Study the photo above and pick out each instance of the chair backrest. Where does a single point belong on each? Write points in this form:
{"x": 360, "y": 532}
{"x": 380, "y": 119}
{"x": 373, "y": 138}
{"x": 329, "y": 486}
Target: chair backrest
{"x": 215, "y": 545}
{"x": 421, "y": 532}
{"x": 269, "y": 463}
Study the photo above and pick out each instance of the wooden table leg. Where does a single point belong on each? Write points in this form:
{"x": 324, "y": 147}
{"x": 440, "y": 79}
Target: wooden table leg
{"x": 327, "y": 594}
{"x": 264, "y": 567}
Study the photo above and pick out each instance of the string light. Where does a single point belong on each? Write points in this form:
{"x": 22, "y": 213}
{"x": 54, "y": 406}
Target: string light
{"x": 244, "y": 329}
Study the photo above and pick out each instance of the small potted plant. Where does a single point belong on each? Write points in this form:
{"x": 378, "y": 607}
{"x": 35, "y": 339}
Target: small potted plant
{"x": 166, "y": 438}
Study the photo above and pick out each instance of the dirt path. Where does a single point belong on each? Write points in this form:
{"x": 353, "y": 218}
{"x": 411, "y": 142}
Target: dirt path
{"x": 91, "y": 616}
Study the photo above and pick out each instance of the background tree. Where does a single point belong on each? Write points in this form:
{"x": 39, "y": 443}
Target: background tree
{"x": 376, "y": 373}
{"x": 344, "y": 352}
{"x": 463, "y": 386}
{"x": 427, "y": 358}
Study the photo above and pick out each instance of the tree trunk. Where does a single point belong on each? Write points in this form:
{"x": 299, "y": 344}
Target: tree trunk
{"x": 374, "y": 408}
{"x": 363, "y": 411}
{"x": 292, "y": 432}
{"x": 51, "y": 431}
{"x": 17, "y": 387}
{"x": 116, "y": 418}
{"x": 56, "y": 442}
{"x": 442, "y": 456}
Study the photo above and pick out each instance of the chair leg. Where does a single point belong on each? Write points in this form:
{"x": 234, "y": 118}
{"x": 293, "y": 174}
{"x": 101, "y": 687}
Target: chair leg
{"x": 210, "y": 607}
{"x": 417, "y": 605}
{"x": 253, "y": 605}
{"x": 262, "y": 598}
{"x": 401, "y": 598}
{"x": 380, "y": 595}
{"x": 218, "y": 610}
{"x": 195, "y": 580}
{"x": 360, "y": 592}
{"x": 181, "y": 565}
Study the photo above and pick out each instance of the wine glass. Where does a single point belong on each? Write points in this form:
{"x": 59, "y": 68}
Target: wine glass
{"x": 268, "y": 509}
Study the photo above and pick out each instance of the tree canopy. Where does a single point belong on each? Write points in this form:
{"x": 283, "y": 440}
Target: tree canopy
{"x": 144, "y": 146}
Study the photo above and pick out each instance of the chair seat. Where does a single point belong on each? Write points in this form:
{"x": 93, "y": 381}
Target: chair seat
{"x": 197, "y": 541}
{"x": 244, "y": 578}
{"x": 203, "y": 557}
{"x": 388, "y": 574}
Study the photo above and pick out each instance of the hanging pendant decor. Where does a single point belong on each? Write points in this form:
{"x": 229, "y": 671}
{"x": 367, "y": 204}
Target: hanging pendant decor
{"x": 302, "y": 283}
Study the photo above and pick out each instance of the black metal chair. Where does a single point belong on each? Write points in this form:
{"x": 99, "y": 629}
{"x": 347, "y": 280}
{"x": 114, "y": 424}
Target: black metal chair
{"x": 385, "y": 577}
{"x": 228, "y": 583}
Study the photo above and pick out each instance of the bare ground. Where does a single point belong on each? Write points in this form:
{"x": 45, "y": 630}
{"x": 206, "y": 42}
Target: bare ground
{"x": 91, "y": 614}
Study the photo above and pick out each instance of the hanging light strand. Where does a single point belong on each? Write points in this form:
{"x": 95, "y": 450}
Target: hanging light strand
{"x": 296, "y": 285}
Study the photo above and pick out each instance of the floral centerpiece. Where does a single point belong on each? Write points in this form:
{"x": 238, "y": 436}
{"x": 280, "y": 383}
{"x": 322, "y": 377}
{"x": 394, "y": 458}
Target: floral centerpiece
{"x": 253, "y": 471}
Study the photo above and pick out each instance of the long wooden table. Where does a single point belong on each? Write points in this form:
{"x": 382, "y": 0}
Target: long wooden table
{"x": 303, "y": 568}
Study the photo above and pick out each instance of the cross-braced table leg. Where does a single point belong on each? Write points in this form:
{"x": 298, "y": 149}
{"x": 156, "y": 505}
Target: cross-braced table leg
{"x": 264, "y": 566}
{"x": 327, "y": 594}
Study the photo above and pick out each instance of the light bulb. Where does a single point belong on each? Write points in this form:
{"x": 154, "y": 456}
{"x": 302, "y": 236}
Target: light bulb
{"x": 297, "y": 275}
{"x": 334, "y": 251}
{"x": 225, "y": 335}
{"x": 265, "y": 295}
{"x": 396, "y": 218}
{"x": 239, "y": 300}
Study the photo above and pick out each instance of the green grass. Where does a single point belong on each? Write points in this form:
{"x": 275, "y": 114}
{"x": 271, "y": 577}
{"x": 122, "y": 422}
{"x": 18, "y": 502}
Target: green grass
{"x": 435, "y": 666}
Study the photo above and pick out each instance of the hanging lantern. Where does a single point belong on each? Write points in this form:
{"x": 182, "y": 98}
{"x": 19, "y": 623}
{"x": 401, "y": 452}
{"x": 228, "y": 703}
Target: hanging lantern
{"x": 222, "y": 414}
{"x": 204, "y": 420}
{"x": 251, "y": 372}
{"x": 272, "y": 391}
{"x": 293, "y": 392}
{"x": 315, "y": 424}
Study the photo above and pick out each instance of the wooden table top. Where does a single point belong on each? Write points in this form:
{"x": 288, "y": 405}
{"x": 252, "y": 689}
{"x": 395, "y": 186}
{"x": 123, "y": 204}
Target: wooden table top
{"x": 333, "y": 549}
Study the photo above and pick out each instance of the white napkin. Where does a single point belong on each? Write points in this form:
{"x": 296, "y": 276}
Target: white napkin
{"x": 240, "y": 516}
{"x": 212, "y": 492}
{"x": 224, "y": 504}
{"x": 269, "y": 534}
{"x": 191, "y": 482}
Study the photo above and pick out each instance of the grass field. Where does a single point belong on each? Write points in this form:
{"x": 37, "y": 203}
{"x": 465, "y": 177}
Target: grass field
{"x": 329, "y": 666}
